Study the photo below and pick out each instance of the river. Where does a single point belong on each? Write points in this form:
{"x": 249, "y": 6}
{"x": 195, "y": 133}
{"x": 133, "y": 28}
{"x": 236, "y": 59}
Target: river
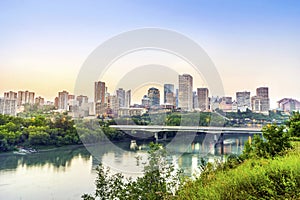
{"x": 68, "y": 172}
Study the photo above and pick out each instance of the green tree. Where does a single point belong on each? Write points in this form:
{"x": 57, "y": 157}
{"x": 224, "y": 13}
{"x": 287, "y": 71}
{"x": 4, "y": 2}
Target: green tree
{"x": 294, "y": 124}
{"x": 276, "y": 141}
{"x": 159, "y": 180}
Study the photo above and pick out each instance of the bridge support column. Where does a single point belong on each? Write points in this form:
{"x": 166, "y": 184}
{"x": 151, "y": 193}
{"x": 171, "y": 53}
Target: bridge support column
{"x": 222, "y": 143}
{"x": 164, "y": 136}
{"x": 156, "y": 136}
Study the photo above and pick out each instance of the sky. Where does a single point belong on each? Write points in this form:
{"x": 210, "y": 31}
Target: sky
{"x": 43, "y": 44}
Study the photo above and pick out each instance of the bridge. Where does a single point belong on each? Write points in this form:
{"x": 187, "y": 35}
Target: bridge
{"x": 217, "y": 132}
{"x": 200, "y": 129}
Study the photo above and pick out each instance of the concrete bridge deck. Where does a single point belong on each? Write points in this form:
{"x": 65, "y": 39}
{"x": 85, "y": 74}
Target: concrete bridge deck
{"x": 205, "y": 129}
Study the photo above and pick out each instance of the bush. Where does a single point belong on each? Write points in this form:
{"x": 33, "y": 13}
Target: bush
{"x": 277, "y": 142}
{"x": 254, "y": 179}
{"x": 159, "y": 181}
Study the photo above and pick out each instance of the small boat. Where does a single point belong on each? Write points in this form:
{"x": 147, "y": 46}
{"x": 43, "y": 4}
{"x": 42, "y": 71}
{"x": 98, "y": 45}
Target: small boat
{"x": 19, "y": 153}
{"x": 228, "y": 141}
{"x": 23, "y": 151}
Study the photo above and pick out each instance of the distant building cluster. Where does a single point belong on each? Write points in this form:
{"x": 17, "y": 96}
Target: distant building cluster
{"x": 118, "y": 104}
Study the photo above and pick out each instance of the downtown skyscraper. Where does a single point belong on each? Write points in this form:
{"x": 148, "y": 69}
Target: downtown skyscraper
{"x": 261, "y": 102}
{"x": 99, "y": 98}
{"x": 203, "y": 99}
{"x": 185, "y": 92}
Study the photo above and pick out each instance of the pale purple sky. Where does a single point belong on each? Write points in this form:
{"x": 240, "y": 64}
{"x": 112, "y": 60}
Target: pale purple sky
{"x": 252, "y": 43}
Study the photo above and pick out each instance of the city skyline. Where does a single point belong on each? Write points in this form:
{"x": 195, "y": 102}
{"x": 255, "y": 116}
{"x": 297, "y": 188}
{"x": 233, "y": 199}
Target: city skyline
{"x": 252, "y": 43}
{"x": 103, "y": 88}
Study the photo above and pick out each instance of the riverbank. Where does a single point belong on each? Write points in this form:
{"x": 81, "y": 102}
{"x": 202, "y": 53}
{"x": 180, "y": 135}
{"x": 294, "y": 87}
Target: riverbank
{"x": 273, "y": 178}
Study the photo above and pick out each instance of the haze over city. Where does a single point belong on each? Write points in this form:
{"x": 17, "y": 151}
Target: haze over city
{"x": 252, "y": 43}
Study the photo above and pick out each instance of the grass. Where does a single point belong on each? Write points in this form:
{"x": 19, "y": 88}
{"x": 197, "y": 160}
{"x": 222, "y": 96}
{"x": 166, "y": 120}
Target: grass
{"x": 277, "y": 178}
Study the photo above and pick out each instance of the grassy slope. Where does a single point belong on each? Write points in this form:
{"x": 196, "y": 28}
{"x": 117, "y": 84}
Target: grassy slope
{"x": 254, "y": 179}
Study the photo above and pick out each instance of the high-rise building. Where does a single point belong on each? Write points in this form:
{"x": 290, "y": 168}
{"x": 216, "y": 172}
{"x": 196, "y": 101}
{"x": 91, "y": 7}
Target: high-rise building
{"x": 25, "y": 97}
{"x": 82, "y": 100}
{"x": 262, "y": 92}
{"x": 203, "y": 99}
{"x": 145, "y": 101}
{"x": 170, "y": 99}
{"x": 195, "y": 100}
{"x": 10, "y": 95}
{"x": 128, "y": 98}
{"x": 63, "y": 98}
{"x": 99, "y": 92}
{"x": 71, "y": 97}
{"x": 112, "y": 106}
{"x": 39, "y": 101}
{"x": 168, "y": 89}
{"x": 243, "y": 101}
{"x": 289, "y": 105}
{"x": 226, "y": 104}
{"x": 154, "y": 96}
{"x": 56, "y": 102}
{"x": 121, "y": 97}
{"x": 8, "y": 106}
{"x": 99, "y": 98}
{"x": 176, "y": 98}
{"x": 261, "y": 102}
{"x": 185, "y": 92}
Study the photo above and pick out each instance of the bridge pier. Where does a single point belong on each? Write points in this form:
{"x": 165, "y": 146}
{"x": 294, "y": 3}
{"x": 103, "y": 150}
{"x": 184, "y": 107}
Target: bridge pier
{"x": 222, "y": 143}
{"x": 219, "y": 141}
{"x": 164, "y": 136}
{"x": 156, "y": 136}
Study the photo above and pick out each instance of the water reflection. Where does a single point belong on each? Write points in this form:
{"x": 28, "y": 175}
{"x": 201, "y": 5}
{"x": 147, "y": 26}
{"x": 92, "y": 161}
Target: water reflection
{"x": 68, "y": 172}
{"x": 59, "y": 158}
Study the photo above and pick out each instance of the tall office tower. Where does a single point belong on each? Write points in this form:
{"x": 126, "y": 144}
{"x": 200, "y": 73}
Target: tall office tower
{"x": 71, "y": 97}
{"x": 121, "y": 97}
{"x": 8, "y": 106}
{"x": 203, "y": 99}
{"x": 21, "y": 98}
{"x": 195, "y": 100}
{"x": 185, "y": 92}
{"x": 10, "y": 95}
{"x": 56, "y": 102}
{"x": 128, "y": 98}
{"x": 154, "y": 96}
{"x": 82, "y": 100}
{"x": 261, "y": 102}
{"x": 146, "y": 101}
{"x": 176, "y": 98}
{"x": 170, "y": 99}
{"x": 243, "y": 101}
{"x": 99, "y": 92}
{"x": 99, "y": 98}
{"x": 112, "y": 105}
{"x": 226, "y": 104}
{"x": 25, "y": 97}
{"x": 168, "y": 89}
{"x": 39, "y": 101}
{"x": 262, "y": 92}
{"x": 63, "y": 98}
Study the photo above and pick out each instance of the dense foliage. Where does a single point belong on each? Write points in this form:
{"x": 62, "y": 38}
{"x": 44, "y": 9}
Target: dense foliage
{"x": 160, "y": 179}
{"x": 267, "y": 169}
{"x": 276, "y": 141}
{"x": 253, "y": 179}
{"x": 38, "y": 130}
{"x": 294, "y": 125}
{"x": 55, "y": 129}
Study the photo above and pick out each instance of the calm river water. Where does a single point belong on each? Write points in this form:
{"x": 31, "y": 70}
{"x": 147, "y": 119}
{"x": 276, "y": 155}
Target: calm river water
{"x": 68, "y": 172}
